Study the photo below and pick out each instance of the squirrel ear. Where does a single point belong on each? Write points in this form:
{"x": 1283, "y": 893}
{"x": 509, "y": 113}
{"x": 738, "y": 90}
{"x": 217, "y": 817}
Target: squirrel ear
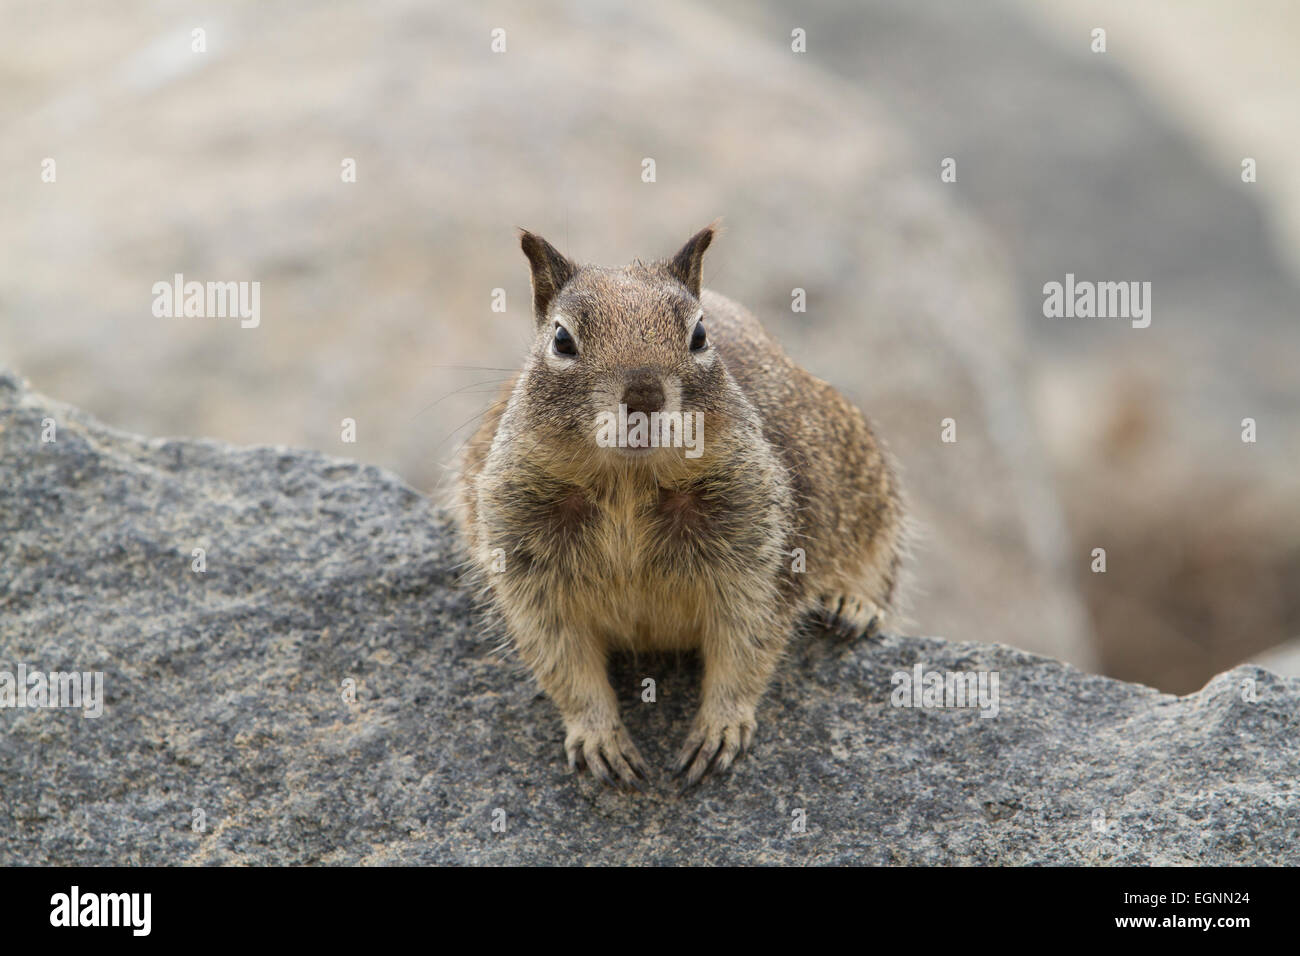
{"x": 550, "y": 270}
{"x": 687, "y": 265}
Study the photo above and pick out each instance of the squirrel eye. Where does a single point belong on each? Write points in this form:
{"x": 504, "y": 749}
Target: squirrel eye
{"x": 699, "y": 340}
{"x": 564, "y": 343}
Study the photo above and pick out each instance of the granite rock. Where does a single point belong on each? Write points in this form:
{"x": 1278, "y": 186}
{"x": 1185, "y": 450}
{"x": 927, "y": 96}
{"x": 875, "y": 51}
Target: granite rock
{"x": 227, "y": 737}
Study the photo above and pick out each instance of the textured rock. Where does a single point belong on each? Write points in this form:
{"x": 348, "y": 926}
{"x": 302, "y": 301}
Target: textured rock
{"x": 224, "y": 694}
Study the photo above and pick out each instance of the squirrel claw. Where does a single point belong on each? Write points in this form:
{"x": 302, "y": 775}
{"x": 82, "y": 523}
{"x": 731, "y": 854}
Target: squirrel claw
{"x": 611, "y": 757}
{"x": 711, "y": 748}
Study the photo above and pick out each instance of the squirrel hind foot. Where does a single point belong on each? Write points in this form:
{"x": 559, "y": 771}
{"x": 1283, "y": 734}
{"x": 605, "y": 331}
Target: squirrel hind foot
{"x": 849, "y": 617}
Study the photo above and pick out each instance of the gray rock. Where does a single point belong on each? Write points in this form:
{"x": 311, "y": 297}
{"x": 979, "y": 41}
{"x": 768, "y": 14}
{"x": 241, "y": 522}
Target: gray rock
{"x": 224, "y": 695}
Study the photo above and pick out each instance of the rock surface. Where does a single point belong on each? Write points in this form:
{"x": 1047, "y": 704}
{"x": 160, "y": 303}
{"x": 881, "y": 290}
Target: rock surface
{"x": 224, "y": 694}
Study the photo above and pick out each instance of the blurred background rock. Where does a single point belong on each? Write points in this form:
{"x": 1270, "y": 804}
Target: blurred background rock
{"x": 924, "y": 298}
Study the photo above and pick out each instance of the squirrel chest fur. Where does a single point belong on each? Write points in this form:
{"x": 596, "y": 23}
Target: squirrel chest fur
{"x": 661, "y": 476}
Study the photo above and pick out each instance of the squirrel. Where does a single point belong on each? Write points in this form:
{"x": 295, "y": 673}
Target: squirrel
{"x": 781, "y": 504}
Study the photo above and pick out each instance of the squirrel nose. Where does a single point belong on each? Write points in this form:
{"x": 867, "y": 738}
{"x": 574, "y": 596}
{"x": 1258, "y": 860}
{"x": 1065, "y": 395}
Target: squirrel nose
{"x": 643, "y": 393}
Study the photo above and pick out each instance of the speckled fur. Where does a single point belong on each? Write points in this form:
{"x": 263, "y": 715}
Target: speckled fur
{"x": 584, "y": 549}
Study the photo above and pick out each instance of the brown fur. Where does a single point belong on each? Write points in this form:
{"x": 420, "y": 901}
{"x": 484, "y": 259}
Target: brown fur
{"x": 605, "y": 550}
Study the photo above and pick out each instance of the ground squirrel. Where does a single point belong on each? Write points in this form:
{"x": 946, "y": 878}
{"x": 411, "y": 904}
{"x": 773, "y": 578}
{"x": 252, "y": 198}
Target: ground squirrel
{"x": 592, "y": 532}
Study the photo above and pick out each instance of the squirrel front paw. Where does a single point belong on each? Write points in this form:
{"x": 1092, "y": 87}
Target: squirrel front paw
{"x": 608, "y": 752}
{"x": 714, "y": 743}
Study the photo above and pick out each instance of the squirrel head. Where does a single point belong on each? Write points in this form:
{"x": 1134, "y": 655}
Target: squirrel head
{"x": 612, "y": 343}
